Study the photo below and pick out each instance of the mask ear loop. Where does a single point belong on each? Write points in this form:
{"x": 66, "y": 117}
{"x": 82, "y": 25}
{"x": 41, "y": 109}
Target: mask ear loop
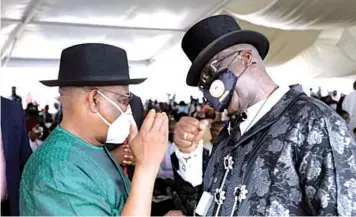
{"x": 103, "y": 119}
{"x": 112, "y": 102}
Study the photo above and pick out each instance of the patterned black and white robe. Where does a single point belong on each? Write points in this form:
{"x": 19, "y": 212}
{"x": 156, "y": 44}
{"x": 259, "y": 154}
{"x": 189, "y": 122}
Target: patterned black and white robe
{"x": 298, "y": 159}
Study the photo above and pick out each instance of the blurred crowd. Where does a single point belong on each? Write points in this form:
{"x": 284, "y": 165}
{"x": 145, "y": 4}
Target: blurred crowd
{"x": 343, "y": 104}
{"x": 40, "y": 123}
{"x": 195, "y": 108}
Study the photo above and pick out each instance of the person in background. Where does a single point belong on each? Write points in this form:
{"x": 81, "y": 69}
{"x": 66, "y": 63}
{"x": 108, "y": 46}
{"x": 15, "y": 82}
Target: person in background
{"x": 349, "y": 105}
{"x": 340, "y": 102}
{"x": 335, "y": 96}
{"x": 46, "y": 116}
{"x": 32, "y": 116}
{"x": 45, "y": 122}
{"x": 57, "y": 107}
{"x": 182, "y": 111}
{"x": 313, "y": 94}
{"x": 29, "y": 98}
{"x": 14, "y": 152}
{"x": 328, "y": 100}
{"x": 319, "y": 93}
{"x": 14, "y": 96}
{"x": 56, "y": 116}
{"x": 193, "y": 106}
{"x": 345, "y": 115}
{"x": 34, "y": 136}
{"x": 73, "y": 173}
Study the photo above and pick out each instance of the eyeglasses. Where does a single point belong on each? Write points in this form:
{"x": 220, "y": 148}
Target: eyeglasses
{"x": 211, "y": 72}
{"x": 123, "y": 99}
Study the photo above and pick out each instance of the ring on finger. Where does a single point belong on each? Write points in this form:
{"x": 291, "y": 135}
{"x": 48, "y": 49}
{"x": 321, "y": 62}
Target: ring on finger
{"x": 185, "y": 136}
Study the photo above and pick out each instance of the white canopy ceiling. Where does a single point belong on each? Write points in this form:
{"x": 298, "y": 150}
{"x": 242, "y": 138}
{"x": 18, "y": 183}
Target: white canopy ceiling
{"x": 142, "y": 28}
{"x": 309, "y": 38}
{"x": 316, "y": 36}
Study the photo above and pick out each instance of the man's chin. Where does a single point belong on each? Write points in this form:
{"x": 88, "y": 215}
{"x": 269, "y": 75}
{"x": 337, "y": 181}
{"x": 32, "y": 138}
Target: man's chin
{"x": 231, "y": 110}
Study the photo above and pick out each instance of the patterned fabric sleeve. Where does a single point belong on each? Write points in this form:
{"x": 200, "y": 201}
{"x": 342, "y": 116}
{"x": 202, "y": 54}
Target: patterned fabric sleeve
{"x": 327, "y": 167}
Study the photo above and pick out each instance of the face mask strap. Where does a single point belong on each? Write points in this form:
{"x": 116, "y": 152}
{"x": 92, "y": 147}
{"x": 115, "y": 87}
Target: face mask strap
{"x": 112, "y": 102}
{"x": 103, "y": 119}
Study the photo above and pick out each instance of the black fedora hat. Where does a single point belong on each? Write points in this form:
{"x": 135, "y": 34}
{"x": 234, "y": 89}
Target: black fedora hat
{"x": 212, "y": 35}
{"x": 93, "y": 64}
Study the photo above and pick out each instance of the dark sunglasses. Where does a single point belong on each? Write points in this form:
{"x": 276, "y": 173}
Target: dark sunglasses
{"x": 210, "y": 72}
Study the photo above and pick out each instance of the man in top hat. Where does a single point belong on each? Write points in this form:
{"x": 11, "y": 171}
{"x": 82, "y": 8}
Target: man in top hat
{"x": 282, "y": 153}
{"x": 73, "y": 173}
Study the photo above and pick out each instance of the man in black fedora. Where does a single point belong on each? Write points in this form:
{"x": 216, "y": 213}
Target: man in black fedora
{"x": 73, "y": 173}
{"x": 282, "y": 153}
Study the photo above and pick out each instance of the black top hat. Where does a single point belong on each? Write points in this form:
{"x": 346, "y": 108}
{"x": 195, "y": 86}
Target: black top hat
{"x": 212, "y": 35}
{"x": 93, "y": 65}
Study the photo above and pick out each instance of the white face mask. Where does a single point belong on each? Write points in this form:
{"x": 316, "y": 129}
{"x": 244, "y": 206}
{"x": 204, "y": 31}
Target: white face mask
{"x": 118, "y": 130}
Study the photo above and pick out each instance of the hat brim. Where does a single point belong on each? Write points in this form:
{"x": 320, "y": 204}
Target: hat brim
{"x": 256, "y": 39}
{"x": 71, "y": 83}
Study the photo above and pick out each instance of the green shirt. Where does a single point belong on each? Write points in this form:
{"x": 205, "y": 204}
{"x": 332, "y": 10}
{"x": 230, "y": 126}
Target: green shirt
{"x": 68, "y": 176}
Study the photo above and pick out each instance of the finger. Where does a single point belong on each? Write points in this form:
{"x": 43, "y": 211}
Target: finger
{"x": 181, "y": 143}
{"x": 203, "y": 127}
{"x": 127, "y": 162}
{"x": 199, "y": 137}
{"x": 129, "y": 157}
{"x": 203, "y": 124}
{"x": 165, "y": 126}
{"x": 188, "y": 128}
{"x": 147, "y": 123}
{"x": 158, "y": 122}
{"x": 133, "y": 130}
{"x": 127, "y": 150}
{"x": 185, "y": 146}
{"x": 189, "y": 120}
{"x": 185, "y": 136}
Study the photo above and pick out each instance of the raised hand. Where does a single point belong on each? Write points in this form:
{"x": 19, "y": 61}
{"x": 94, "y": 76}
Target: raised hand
{"x": 188, "y": 132}
{"x": 123, "y": 155}
{"x": 150, "y": 144}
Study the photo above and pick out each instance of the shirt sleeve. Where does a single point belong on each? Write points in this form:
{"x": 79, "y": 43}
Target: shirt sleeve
{"x": 66, "y": 191}
{"x": 191, "y": 165}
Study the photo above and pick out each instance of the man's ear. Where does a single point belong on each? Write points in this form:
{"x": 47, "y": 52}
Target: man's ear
{"x": 247, "y": 57}
{"x": 93, "y": 101}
